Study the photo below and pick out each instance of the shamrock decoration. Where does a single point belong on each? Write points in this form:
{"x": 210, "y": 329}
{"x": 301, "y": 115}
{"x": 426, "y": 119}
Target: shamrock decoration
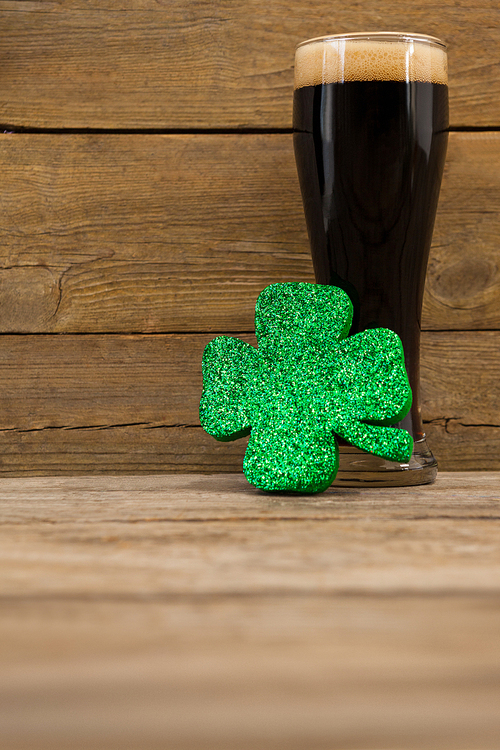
{"x": 306, "y": 381}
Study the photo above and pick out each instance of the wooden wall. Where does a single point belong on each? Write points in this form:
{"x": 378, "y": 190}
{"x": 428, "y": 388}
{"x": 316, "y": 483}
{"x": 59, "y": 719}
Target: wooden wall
{"x": 149, "y": 193}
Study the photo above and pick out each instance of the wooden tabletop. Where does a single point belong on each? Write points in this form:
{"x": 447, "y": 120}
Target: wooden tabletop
{"x": 192, "y": 611}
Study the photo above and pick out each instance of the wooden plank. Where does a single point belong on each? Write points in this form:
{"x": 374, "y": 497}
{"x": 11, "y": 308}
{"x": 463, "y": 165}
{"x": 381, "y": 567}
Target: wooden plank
{"x": 459, "y": 370}
{"x": 259, "y": 550}
{"x": 458, "y": 445}
{"x": 180, "y": 233}
{"x": 408, "y": 673}
{"x": 463, "y": 278}
{"x": 40, "y": 502}
{"x": 145, "y": 449}
{"x": 218, "y": 537}
{"x": 195, "y": 612}
{"x": 149, "y": 64}
{"x": 146, "y": 233}
{"x": 128, "y": 449}
{"x": 126, "y": 404}
{"x": 98, "y": 381}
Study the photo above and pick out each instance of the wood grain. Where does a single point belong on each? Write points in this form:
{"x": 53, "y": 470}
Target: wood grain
{"x": 158, "y": 64}
{"x": 146, "y": 233}
{"x": 124, "y": 449}
{"x": 35, "y": 502}
{"x": 97, "y": 381}
{"x": 463, "y": 278}
{"x": 248, "y": 673}
{"x": 194, "y": 612}
{"x": 163, "y": 537}
{"x": 125, "y": 404}
{"x": 458, "y": 445}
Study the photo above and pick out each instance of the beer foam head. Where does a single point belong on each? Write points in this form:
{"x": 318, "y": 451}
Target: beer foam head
{"x": 370, "y": 57}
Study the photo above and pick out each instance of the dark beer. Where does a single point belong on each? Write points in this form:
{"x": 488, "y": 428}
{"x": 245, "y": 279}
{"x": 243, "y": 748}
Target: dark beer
{"x": 370, "y": 151}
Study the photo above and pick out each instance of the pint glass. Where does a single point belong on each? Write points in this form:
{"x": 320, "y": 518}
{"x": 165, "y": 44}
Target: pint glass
{"x": 370, "y": 134}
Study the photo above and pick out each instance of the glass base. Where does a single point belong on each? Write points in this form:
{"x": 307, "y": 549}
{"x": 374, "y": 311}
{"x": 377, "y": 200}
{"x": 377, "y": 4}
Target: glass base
{"x": 360, "y": 469}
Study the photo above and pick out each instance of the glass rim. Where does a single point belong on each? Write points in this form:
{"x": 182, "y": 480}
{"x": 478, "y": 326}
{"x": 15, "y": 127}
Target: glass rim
{"x": 382, "y": 36}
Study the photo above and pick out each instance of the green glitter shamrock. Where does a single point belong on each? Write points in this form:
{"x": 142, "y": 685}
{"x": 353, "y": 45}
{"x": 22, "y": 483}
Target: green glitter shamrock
{"x": 305, "y": 381}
